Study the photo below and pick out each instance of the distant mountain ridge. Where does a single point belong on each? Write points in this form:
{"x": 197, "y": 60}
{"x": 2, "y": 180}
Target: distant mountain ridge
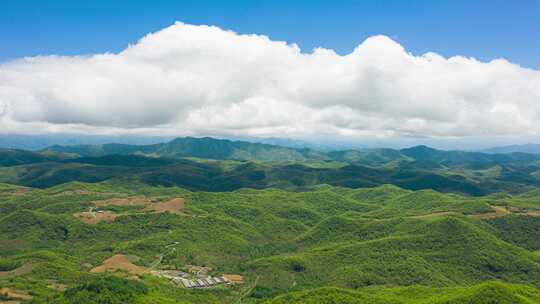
{"x": 223, "y": 149}
{"x": 209, "y": 164}
{"x": 206, "y": 147}
{"x": 42, "y": 141}
{"x": 526, "y": 148}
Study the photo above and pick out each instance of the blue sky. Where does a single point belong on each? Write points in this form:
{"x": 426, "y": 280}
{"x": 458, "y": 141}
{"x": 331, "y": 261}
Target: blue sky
{"x": 372, "y": 81}
{"x": 481, "y": 29}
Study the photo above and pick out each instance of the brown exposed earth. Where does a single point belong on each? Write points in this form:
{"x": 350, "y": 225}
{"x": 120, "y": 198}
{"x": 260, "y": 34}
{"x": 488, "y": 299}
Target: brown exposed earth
{"x": 434, "y": 214}
{"x": 24, "y": 269}
{"x": 533, "y": 213}
{"x": 14, "y": 294}
{"x": 15, "y": 192}
{"x": 198, "y": 269}
{"x": 175, "y": 205}
{"x": 498, "y": 211}
{"x": 130, "y": 201}
{"x": 92, "y": 217}
{"x": 21, "y": 191}
{"x": 57, "y": 286}
{"x": 118, "y": 262}
{"x": 234, "y": 278}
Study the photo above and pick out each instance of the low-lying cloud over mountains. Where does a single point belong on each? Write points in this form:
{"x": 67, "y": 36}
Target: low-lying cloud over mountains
{"x": 188, "y": 79}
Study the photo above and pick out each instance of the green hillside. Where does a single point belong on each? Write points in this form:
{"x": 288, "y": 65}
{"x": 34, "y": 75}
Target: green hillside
{"x": 323, "y": 245}
{"x": 209, "y": 148}
{"x": 485, "y": 293}
{"x": 124, "y": 224}
{"x": 228, "y": 175}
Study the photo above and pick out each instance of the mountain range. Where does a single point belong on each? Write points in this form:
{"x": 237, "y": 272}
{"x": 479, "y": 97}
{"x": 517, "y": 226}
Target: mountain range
{"x": 122, "y": 223}
{"x": 526, "y": 148}
{"x": 208, "y": 164}
{"x": 223, "y": 149}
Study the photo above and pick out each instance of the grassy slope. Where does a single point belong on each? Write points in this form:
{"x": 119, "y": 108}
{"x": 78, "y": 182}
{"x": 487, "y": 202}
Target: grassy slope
{"x": 362, "y": 239}
{"x": 485, "y": 293}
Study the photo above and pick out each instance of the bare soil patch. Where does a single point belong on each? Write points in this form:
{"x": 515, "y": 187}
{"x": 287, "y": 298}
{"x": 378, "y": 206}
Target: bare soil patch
{"x": 15, "y": 294}
{"x": 434, "y": 214}
{"x": 498, "y": 211}
{"x": 57, "y": 286}
{"x": 24, "y": 269}
{"x": 129, "y": 201}
{"x": 92, "y": 217}
{"x": 234, "y": 278}
{"x": 533, "y": 213}
{"x": 175, "y": 206}
{"x": 20, "y": 191}
{"x": 118, "y": 262}
{"x": 199, "y": 270}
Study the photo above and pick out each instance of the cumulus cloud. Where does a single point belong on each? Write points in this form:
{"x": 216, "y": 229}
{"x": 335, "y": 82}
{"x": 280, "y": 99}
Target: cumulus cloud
{"x": 188, "y": 79}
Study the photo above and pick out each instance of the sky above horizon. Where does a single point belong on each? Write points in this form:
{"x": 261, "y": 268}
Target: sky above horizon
{"x": 378, "y": 70}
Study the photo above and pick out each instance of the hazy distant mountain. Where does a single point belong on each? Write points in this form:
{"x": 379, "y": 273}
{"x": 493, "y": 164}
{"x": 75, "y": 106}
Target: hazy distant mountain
{"x": 38, "y": 142}
{"x": 206, "y": 147}
{"x": 165, "y": 164}
{"x": 526, "y": 148}
{"x": 13, "y": 157}
{"x": 222, "y": 149}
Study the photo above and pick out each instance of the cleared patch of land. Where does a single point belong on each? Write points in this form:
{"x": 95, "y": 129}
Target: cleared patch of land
{"x": 498, "y": 211}
{"x": 175, "y": 205}
{"x": 118, "y": 262}
{"x": 57, "y": 286}
{"x": 14, "y": 294}
{"x": 434, "y": 214}
{"x": 92, "y": 217}
{"x": 24, "y": 269}
{"x": 129, "y": 201}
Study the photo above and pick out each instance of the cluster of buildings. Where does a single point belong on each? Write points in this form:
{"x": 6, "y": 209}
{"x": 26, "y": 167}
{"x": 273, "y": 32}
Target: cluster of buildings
{"x": 205, "y": 282}
{"x": 197, "y": 278}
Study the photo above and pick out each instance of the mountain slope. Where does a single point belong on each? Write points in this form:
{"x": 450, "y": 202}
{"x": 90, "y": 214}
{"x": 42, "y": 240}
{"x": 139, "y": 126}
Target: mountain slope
{"x": 526, "y": 148}
{"x": 325, "y": 245}
{"x": 222, "y": 149}
{"x": 207, "y": 147}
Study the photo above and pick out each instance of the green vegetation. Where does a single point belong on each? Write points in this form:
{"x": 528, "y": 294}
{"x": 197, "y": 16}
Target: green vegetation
{"x": 368, "y": 245}
{"x": 485, "y": 293}
{"x": 416, "y": 225}
{"x": 109, "y": 289}
{"x": 207, "y": 164}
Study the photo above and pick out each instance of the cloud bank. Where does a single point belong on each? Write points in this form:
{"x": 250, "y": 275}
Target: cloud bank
{"x": 189, "y": 80}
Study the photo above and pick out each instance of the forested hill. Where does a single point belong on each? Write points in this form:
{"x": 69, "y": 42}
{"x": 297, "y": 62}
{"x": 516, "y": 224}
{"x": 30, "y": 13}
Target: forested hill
{"x": 206, "y": 147}
{"x": 207, "y": 164}
{"x": 222, "y": 149}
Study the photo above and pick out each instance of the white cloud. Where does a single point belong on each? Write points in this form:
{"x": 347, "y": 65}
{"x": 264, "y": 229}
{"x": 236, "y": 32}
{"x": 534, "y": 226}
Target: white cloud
{"x": 188, "y": 79}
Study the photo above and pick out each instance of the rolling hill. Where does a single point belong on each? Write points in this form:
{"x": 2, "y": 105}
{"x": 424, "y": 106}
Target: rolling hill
{"x": 209, "y": 148}
{"x": 326, "y": 245}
